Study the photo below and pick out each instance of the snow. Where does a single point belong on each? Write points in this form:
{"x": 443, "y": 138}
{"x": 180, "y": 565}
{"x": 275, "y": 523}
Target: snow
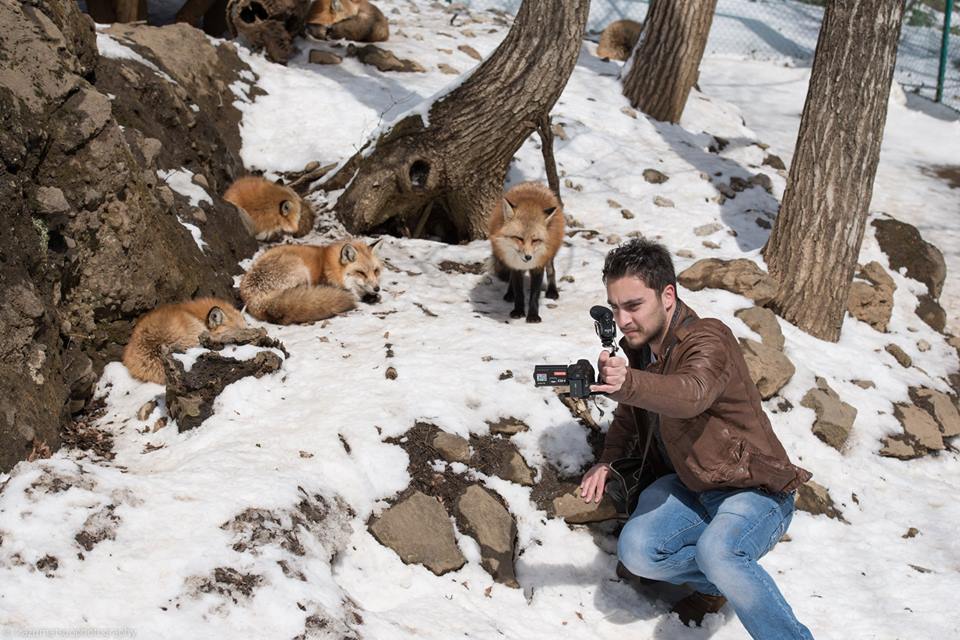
{"x": 273, "y": 440}
{"x": 181, "y": 181}
{"x": 110, "y": 47}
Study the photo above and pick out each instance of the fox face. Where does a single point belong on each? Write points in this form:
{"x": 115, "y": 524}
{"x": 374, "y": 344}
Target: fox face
{"x": 361, "y": 269}
{"x": 221, "y": 319}
{"x": 522, "y": 242}
{"x": 328, "y": 12}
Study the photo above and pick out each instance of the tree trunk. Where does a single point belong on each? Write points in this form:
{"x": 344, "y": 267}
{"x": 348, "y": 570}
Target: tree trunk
{"x": 815, "y": 242}
{"x": 453, "y": 161}
{"x": 666, "y": 60}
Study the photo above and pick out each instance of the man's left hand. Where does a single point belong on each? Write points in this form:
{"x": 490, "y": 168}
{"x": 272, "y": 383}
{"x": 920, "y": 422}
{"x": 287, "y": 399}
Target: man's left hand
{"x": 613, "y": 372}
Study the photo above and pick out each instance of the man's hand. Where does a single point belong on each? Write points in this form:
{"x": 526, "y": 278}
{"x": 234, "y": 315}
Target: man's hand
{"x": 613, "y": 372}
{"x": 591, "y": 487}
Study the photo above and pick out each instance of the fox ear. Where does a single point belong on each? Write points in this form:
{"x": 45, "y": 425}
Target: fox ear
{"x": 376, "y": 244}
{"x": 215, "y": 318}
{"x": 508, "y": 212}
{"x": 278, "y": 181}
{"x": 550, "y": 211}
{"x": 348, "y": 254}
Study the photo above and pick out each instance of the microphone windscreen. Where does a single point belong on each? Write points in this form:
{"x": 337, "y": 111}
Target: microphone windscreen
{"x": 600, "y": 313}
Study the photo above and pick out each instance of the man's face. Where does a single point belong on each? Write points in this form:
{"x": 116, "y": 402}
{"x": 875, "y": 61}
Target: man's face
{"x": 640, "y": 313}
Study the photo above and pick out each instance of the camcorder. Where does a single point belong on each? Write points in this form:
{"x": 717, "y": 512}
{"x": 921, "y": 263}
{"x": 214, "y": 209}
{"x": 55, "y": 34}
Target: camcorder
{"x": 581, "y": 374}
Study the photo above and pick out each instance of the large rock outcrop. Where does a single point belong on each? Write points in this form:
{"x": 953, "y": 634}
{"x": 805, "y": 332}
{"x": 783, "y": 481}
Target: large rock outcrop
{"x": 93, "y": 238}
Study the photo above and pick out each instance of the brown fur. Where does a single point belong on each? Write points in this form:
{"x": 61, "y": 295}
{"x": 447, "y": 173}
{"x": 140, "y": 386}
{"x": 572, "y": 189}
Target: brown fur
{"x": 264, "y": 202}
{"x": 176, "y": 327}
{"x": 526, "y": 231}
{"x": 356, "y": 20}
{"x": 618, "y": 39}
{"x": 304, "y": 283}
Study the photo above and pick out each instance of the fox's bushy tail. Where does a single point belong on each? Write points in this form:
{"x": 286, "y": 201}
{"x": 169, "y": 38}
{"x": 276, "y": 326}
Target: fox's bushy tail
{"x": 302, "y": 304}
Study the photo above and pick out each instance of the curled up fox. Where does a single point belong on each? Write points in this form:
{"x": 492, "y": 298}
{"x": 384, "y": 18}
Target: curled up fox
{"x": 304, "y": 283}
{"x": 526, "y": 231}
{"x": 272, "y": 209}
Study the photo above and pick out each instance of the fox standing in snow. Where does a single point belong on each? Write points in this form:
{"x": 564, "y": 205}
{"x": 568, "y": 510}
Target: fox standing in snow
{"x": 356, "y": 20}
{"x": 273, "y": 209}
{"x": 526, "y": 230}
{"x": 618, "y": 39}
{"x": 175, "y": 326}
{"x": 304, "y": 283}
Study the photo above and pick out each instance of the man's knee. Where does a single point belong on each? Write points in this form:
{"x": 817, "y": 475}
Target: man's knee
{"x": 635, "y": 551}
{"x": 717, "y": 555}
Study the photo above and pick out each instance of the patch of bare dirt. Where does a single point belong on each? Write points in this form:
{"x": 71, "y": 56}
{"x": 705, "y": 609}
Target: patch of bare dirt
{"x": 948, "y": 173}
{"x": 474, "y": 268}
{"x": 99, "y": 526}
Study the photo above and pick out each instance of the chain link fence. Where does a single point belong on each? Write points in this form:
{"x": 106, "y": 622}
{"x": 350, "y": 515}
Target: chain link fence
{"x": 779, "y": 29}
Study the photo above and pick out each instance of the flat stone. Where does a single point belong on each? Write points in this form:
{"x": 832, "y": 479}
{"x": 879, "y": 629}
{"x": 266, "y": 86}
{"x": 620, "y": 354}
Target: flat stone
{"x": 318, "y": 56}
{"x": 764, "y": 322}
{"x": 452, "y": 447}
{"x": 51, "y": 200}
{"x": 835, "y": 418}
{"x": 898, "y": 447}
{"x": 769, "y": 368}
{"x": 470, "y": 51}
{"x": 741, "y": 276}
{"x": 905, "y": 247}
{"x": 445, "y": 68}
{"x": 900, "y": 355}
{"x": 660, "y": 201}
{"x": 491, "y": 525}
{"x": 655, "y": 177}
{"x": 707, "y": 229}
{"x": 515, "y": 469}
{"x": 685, "y": 253}
{"x": 571, "y": 507}
{"x": 942, "y": 407}
{"x": 872, "y": 303}
{"x": 508, "y": 426}
{"x": 814, "y": 498}
{"x": 865, "y": 384}
{"x": 418, "y": 529}
{"x": 919, "y": 425}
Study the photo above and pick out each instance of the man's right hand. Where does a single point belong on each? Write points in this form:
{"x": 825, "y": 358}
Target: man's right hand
{"x": 591, "y": 487}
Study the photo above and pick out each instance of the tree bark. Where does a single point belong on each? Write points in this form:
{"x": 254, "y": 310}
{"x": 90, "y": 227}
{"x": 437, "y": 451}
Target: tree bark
{"x": 813, "y": 248}
{"x": 666, "y": 61}
{"x": 454, "y": 161}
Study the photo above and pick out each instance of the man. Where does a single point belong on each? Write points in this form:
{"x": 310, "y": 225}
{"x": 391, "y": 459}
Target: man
{"x": 724, "y": 493}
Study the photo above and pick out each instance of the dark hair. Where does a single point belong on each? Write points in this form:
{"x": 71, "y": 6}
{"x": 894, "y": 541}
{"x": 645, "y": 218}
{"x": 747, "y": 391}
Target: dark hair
{"x": 650, "y": 261}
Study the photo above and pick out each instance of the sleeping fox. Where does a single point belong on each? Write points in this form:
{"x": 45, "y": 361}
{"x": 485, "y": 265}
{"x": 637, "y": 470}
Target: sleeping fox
{"x": 272, "y": 208}
{"x": 304, "y": 283}
{"x": 356, "y": 20}
{"x": 176, "y": 327}
{"x": 526, "y": 231}
{"x": 618, "y": 39}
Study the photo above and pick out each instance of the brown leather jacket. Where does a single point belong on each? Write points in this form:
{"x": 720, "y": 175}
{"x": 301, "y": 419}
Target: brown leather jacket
{"x": 713, "y": 426}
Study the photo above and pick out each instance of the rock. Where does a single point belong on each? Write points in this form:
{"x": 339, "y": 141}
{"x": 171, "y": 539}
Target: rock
{"x": 51, "y": 200}
{"x": 769, "y": 368}
{"x": 319, "y": 56}
{"x": 763, "y": 181}
{"x": 571, "y": 507}
{"x": 660, "y": 201}
{"x": 613, "y": 204}
{"x": 835, "y": 418}
{"x": 763, "y": 223}
{"x": 710, "y": 244}
{"x": 685, "y": 253}
{"x": 655, "y": 177}
{"x": 627, "y": 111}
{"x": 739, "y": 276}
{"x": 905, "y": 248}
{"x": 901, "y": 357}
{"x": 145, "y": 410}
{"x": 930, "y": 311}
{"x": 923, "y": 346}
{"x": 739, "y": 184}
{"x": 487, "y": 521}
{"x": 707, "y": 229}
{"x": 919, "y": 427}
{"x": 445, "y": 68}
{"x": 418, "y": 529}
{"x": 390, "y": 373}
{"x": 508, "y": 426}
{"x": 452, "y": 447}
{"x": 815, "y": 499}
{"x": 764, "y": 322}
{"x": 898, "y": 447}
{"x": 942, "y": 407}
{"x": 864, "y": 384}
{"x": 515, "y": 469}
{"x": 726, "y": 191}
{"x": 911, "y": 533}
{"x": 872, "y": 303}
{"x": 627, "y": 214}
{"x": 470, "y": 51}
{"x": 382, "y": 59}
{"x": 269, "y": 26}
{"x": 774, "y": 161}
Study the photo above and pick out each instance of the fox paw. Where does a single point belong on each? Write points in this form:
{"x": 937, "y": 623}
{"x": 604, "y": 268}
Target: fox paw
{"x": 533, "y": 319}
{"x": 552, "y": 293}
{"x": 516, "y": 313}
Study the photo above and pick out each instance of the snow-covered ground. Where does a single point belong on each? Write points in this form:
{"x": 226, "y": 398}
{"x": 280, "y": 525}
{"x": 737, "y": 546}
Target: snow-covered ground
{"x": 141, "y": 545}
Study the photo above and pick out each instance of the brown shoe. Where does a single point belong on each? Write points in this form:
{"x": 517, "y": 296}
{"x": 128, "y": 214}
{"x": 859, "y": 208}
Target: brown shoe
{"x": 696, "y": 605}
{"x": 624, "y": 574}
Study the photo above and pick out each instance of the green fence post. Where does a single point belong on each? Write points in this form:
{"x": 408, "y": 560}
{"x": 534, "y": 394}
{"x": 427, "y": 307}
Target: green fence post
{"x": 944, "y": 44}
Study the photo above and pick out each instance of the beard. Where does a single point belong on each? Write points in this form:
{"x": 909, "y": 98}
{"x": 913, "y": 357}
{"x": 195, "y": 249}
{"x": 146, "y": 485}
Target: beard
{"x": 651, "y": 330}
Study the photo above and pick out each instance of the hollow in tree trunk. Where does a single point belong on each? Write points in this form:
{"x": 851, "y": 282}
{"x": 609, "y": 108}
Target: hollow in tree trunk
{"x": 442, "y": 174}
{"x": 666, "y": 61}
{"x": 815, "y": 242}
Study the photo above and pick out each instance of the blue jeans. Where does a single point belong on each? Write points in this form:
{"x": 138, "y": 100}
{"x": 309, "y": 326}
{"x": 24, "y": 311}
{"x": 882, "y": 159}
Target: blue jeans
{"x": 712, "y": 541}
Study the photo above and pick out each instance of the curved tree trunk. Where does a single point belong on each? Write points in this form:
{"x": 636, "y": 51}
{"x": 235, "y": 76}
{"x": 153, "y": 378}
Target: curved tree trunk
{"x": 815, "y": 242}
{"x": 450, "y": 167}
{"x": 666, "y": 60}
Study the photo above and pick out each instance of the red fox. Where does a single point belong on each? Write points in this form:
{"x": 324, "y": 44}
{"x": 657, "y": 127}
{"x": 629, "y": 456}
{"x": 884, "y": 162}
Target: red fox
{"x": 356, "y": 20}
{"x": 175, "y": 326}
{"x": 273, "y": 208}
{"x": 526, "y": 230}
{"x": 618, "y": 39}
{"x": 303, "y": 283}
